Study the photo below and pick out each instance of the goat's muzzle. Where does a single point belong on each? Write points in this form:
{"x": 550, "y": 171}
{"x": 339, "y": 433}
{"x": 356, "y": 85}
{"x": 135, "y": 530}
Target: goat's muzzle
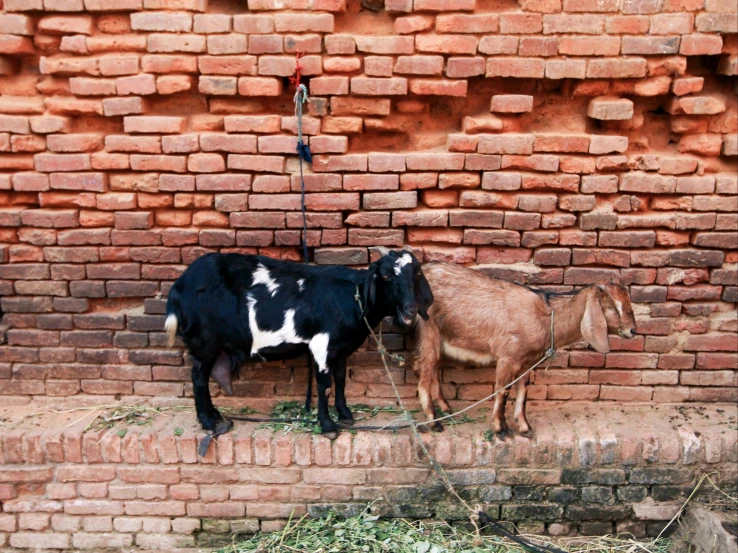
{"x": 627, "y": 332}
{"x": 406, "y": 315}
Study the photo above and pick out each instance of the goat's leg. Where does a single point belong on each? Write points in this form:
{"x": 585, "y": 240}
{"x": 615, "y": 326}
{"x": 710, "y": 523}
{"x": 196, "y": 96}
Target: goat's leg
{"x": 504, "y": 374}
{"x": 521, "y": 389}
{"x": 327, "y": 426}
{"x": 427, "y": 359}
{"x": 209, "y": 417}
{"x": 437, "y": 393}
{"x": 499, "y": 425}
{"x": 339, "y": 374}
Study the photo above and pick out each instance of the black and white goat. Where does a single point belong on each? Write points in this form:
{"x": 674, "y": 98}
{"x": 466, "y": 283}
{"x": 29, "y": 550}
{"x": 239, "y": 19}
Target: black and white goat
{"x": 232, "y": 308}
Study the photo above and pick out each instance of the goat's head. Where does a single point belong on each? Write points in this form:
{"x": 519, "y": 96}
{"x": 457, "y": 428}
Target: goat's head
{"x": 618, "y": 310}
{"x": 396, "y": 282}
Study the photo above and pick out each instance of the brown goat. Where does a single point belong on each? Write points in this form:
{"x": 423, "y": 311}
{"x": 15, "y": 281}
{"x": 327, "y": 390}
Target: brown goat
{"x": 477, "y": 319}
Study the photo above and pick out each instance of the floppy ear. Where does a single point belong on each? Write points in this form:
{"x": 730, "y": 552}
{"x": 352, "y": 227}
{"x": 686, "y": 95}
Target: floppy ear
{"x": 370, "y": 289}
{"x": 423, "y": 295}
{"x": 594, "y": 325}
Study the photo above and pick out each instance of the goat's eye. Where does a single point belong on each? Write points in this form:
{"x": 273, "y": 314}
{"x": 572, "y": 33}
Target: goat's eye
{"x": 385, "y": 277}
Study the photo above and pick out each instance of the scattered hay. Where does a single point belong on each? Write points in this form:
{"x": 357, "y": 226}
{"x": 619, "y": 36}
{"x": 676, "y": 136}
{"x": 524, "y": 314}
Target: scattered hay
{"x": 370, "y": 534}
{"x": 129, "y": 415}
{"x": 308, "y": 422}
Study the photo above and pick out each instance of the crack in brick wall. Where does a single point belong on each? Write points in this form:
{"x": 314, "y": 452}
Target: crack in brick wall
{"x": 552, "y": 144}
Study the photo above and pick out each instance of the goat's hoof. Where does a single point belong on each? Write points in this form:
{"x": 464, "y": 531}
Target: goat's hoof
{"x": 437, "y": 427}
{"x": 347, "y": 422}
{"x": 223, "y": 426}
{"x": 209, "y": 424}
{"x": 331, "y": 435}
{"x": 527, "y": 434}
{"x": 502, "y": 435}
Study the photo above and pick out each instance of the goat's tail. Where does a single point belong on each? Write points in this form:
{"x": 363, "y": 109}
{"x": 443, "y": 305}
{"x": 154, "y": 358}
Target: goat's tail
{"x": 174, "y": 317}
{"x": 170, "y": 325}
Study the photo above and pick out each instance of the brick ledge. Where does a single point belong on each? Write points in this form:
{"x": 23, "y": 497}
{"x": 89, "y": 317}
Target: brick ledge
{"x": 589, "y": 468}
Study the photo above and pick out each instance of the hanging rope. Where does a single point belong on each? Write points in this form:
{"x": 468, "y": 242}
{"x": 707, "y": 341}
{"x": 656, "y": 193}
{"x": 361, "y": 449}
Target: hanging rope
{"x": 303, "y": 154}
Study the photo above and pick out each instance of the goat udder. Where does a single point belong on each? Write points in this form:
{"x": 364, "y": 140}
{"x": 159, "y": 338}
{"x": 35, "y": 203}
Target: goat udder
{"x": 222, "y": 374}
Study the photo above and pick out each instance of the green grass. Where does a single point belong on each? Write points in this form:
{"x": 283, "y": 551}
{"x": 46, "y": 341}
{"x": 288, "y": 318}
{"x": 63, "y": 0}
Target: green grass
{"x": 309, "y": 421}
{"x": 370, "y": 534}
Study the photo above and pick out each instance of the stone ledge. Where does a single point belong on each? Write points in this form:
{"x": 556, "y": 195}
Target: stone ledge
{"x": 590, "y": 469}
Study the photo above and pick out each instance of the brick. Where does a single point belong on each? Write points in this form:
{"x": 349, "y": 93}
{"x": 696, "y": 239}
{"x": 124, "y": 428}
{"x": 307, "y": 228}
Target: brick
{"x": 253, "y": 23}
{"x": 566, "y": 69}
{"x": 438, "y": 88}
{"x": 269, "y": 164}
{"x": 303, "y": 23}
{"x": 360, "y": 106}
{"x": 153, "y": 124}
{"x": 217, "y": 85}
{"x": 252, "y": 123}
{"x": 610, "y": 109}
{"x": 122, "y": 106}
{"x": 497, "y": 45}
{"x": 446, "y": 44}
{"x": 468, "y": 23}
{"x": 511, "y": 103}
{"x": 701, "y": 144}
{"x": 589, "y": 46}
{"x": 390, "y": 200}
{"x": 30, "y": 182}
{"x": 176, "y": 43}
{"x": 49, "y": 124}
{"x": 643, "y": 182}
{"x": 621, "y": 68}
{"x": 412, "y": 24}
{"x": 522, "y": 68}
{"x": 170, "y": 22}
{"x": 212, "y": 23}
{"x": 573, "y": 24}
{"x": 435, "y": 162}
{"x": 716, "y": 23}
{"x": 35, "y": 540}
{"x": 538, "y": 46}
{"x": 162, "y": 64}
{"x": 465, "y": 67}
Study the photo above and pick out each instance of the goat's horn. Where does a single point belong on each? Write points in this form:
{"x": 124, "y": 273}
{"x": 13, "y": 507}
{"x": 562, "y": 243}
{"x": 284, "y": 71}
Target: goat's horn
{"x": 381, "y": 250}
{"x": 407, "y": 248}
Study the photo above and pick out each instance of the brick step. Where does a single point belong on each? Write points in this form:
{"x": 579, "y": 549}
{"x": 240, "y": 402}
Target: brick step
{"x": 589, "y": 468}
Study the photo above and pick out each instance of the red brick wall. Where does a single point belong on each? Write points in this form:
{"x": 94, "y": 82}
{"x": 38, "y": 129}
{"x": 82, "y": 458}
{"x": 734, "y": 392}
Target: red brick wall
{"x": 553, "y": 144}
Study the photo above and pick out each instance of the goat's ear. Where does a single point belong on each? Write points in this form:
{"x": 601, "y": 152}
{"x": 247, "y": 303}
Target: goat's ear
{"x": 423, "y": 295}
{"x": 594, "y": 324}
{"x": 370, "y": 288}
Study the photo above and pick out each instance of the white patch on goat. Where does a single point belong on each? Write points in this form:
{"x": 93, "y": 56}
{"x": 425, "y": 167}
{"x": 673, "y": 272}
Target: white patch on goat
{"x": 619, "y": 306}
{"x": 261, "y": 276}
{"x": 466, "y": 355}
{"x": 301, "y": 284}
{"x": 269, "y": 338}
{"x": 403, "y": 260}
{"x": 319, "y": 348}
